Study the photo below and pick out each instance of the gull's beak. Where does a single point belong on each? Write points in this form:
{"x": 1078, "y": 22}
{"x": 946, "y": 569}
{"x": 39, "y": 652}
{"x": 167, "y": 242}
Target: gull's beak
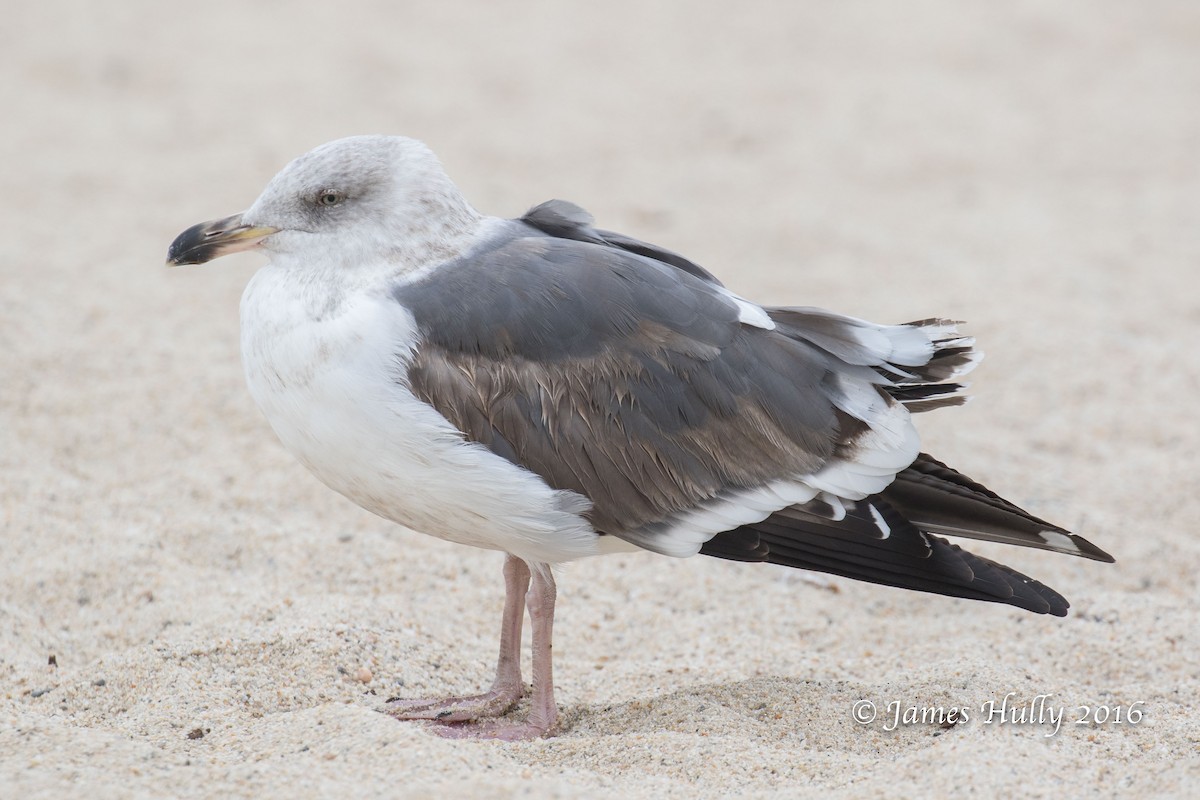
{"x": 209, "y": 240}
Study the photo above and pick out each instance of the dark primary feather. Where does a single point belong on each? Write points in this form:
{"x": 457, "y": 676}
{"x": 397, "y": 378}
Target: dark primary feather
{"x": 908, "y": 556}
{"x": 619, "y": 370}
{"x": 939, "y": 499}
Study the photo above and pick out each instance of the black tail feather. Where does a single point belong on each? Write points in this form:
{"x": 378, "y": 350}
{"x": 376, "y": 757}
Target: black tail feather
{"x": 928, "y": 396}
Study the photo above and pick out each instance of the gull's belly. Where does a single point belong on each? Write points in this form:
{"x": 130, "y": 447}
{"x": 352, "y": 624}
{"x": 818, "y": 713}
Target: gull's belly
{"x": 334, "y": 389}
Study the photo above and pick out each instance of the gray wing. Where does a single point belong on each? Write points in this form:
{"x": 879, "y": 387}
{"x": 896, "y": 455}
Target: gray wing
{"x": 633, "y": 382}
{"x": 628, "y": 374}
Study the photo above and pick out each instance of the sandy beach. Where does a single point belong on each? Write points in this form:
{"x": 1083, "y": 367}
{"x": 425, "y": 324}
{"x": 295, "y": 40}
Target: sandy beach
{"x": 186, "y": 612}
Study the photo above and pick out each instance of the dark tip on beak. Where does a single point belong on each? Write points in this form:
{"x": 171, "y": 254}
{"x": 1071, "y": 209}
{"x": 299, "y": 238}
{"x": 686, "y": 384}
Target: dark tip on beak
{"x": 208, "y": 240}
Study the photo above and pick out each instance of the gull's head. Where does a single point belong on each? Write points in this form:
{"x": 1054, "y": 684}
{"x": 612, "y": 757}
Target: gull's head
{"x": 359, "y": 200}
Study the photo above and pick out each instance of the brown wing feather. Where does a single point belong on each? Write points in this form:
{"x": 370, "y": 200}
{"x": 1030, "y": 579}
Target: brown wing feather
{"x": 636, "y": 436}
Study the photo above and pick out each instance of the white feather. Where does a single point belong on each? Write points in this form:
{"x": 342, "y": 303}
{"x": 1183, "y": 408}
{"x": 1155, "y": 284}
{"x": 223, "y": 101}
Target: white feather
{"x": 749, "y": 313}
{"x": 880, "y": 522}
{"x": 908, "y": 346}
{"x": 686, "y": 532}
{"x": 836, "y": 507}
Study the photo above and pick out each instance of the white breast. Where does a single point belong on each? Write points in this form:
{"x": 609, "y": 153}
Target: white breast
{"x": 329, "y": 374}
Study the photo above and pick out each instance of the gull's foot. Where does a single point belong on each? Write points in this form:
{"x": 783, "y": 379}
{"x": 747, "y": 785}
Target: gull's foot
{"x": 493, "y": 729}
{"x": 492, "y": 703}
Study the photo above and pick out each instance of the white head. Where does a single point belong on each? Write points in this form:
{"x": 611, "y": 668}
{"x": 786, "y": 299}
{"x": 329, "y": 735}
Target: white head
{"x": 363, "y": 200}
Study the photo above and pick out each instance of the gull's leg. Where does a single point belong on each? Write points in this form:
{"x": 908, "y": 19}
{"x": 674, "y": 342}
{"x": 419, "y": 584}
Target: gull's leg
{"x": 507, "y": 688}
{"x": 542, "y": 712}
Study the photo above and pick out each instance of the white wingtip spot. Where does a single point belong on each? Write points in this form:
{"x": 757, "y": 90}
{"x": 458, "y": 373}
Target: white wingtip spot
{"x": 1059, "y": 540}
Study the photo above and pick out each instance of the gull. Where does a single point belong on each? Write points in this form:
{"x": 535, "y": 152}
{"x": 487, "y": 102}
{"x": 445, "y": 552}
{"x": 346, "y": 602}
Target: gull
{"x": 553, "y": 390}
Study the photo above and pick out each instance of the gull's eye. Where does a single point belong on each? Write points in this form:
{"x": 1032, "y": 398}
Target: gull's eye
{"x": 330, "y": 197}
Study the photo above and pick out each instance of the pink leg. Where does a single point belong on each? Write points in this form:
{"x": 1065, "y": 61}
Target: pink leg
{"x": 543, "y": 712}
{"x": 507, "y": 689}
